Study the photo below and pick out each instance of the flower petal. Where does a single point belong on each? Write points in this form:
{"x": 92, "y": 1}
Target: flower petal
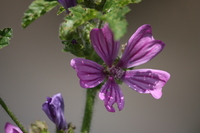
{"x": 147, "y": 81}
{"x": 9, "y": 128}
{"x": 104, "y": 44}
{"x": 111, "y": 93}
{"x": 45, "y": 108}
{"x": 90, "y": 73}
{"x": 141, "y": 48}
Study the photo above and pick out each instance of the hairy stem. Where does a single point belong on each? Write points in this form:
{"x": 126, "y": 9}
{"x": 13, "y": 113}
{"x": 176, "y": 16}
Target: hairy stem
{"x": 89, "y": 105}
{"x": 12, "y": 116}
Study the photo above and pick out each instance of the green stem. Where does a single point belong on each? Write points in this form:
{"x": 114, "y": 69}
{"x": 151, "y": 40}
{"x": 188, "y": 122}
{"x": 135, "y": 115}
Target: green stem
{"x": 100, "y": 24}
{"x": 100, "y": 8}
{"x": 102, "y": 4}
{"x": 12, "y": 116}
{"x": 89, "y": 105}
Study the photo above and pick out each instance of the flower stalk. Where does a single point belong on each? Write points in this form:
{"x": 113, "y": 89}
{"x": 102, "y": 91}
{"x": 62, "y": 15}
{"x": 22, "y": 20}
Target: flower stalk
{"x": 89, "y": 105}
{"x": 12, "y": 116}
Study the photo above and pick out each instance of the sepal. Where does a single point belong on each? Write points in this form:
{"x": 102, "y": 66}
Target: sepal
{"x": 71, "y": 128}
{"x": 38, "y": 127}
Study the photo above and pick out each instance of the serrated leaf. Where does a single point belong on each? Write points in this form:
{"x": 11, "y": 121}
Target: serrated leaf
{"x": 37, "y": 9}
{"x": 114, "y": 4}
{"x": 117, "y": 21}
{"x": 77, "y": 17}
{"x": 5, "y": 36}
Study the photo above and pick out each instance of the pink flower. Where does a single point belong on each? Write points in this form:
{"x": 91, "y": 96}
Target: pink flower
{"x": 141, "y": 48}
{"x": 9, "y": 128}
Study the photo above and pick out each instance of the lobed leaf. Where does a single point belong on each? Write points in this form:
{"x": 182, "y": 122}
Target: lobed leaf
{"x": 37, "y": 9}
{"x": 5, "y": 36}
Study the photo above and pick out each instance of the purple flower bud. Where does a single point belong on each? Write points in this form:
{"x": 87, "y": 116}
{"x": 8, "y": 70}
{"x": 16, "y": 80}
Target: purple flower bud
{"x": 54, "y": 109}
{"x": 74, "y": 42}
{"x": 9, "y": 128}
{"x": 67, "y": 4}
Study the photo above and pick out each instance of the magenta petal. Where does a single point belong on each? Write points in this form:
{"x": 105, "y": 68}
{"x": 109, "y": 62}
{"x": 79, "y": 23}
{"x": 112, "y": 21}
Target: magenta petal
{"x": 111, "y": 93}
{"x": 90, "y": 73}
{"x": 147, "y": 81}
{"x": 104, "y": 44}
{"x": 140, "y": 48}
{"x": 9, "y": 128}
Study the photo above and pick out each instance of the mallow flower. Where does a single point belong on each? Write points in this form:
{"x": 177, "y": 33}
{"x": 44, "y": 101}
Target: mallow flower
{"x": 67, "y": 4}
{"x": 140, "y": 48}
{"x": 54, "y": 109}
{"x": 9, "y": 128}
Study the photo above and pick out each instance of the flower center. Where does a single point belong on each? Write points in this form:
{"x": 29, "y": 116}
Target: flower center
{"x": 116, "y": 72}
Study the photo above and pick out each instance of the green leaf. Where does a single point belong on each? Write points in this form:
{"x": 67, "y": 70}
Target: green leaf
{"x": 88, "y": 49}
{"x": 61, "y": 10}
{"x": 117, "y": 21}
{"x": 37, "y": 9}
{"x": 126, "y": 2}
{"x": 70, "y": 30}
{"x": 114, "y": 4}
{"x": 76, "y": 18}
{"x": 79, "y": 16}
{"x": 79, "y": 1}
{"x": 76, "y": 49}
{"x": 5, "y": 36}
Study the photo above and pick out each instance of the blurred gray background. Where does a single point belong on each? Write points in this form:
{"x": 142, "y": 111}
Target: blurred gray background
{"x": 34, "y": 67}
